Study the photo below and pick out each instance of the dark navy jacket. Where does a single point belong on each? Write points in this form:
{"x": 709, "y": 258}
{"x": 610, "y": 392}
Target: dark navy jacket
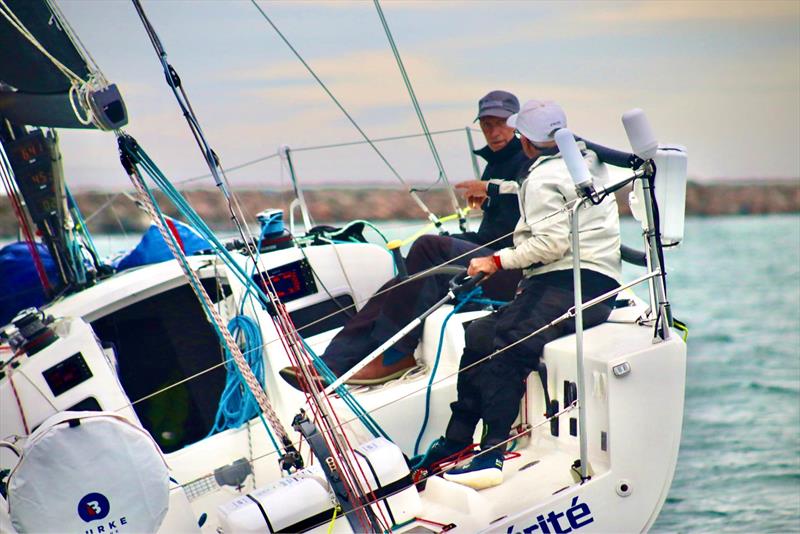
{"x": 501, "y": 208}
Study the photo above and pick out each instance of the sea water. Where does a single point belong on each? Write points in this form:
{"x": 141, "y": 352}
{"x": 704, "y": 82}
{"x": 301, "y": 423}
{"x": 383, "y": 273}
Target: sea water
{"x": 736, "y": 282}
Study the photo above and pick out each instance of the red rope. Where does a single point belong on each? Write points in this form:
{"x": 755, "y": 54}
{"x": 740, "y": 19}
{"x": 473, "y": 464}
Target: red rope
{"x": 286, "y": 327}
{"x": 19, "y": 403}
{"x": 174, "y": 231}
{"x": 23, "y": 224}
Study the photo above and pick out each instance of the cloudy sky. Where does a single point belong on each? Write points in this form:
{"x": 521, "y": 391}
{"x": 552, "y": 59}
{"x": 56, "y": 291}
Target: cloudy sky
{"x": 720, "y": 77}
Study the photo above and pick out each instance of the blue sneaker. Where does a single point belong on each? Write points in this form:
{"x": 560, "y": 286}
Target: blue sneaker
{"x": 484, "y": 471}
{"x": 439, "y": 450}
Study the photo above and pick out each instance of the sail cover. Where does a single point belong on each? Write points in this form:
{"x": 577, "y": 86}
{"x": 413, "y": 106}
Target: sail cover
{"x": 89, "y": 472}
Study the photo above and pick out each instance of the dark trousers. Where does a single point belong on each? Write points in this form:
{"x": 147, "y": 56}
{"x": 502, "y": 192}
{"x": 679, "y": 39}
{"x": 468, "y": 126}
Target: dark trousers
{"x": 492, "y": 390}
{"x": 389, "y": 311}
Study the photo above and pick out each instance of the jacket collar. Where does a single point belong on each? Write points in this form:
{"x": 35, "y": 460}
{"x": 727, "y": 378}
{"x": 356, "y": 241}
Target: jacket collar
{"x": 547, "y": 156}
{"x": 507, "y": 152}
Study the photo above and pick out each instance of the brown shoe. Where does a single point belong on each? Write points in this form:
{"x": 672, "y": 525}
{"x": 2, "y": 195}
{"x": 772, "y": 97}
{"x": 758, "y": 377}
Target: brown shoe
{"x": 377, "y": 373}
{"x": 292, "y": 376}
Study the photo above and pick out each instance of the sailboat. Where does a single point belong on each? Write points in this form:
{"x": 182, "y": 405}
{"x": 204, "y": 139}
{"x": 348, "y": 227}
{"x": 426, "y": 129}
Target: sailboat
{"x": 148, "y": 399}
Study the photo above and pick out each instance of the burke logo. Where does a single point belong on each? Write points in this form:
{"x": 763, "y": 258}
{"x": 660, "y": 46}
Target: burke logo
{"x": 93, "y": 506}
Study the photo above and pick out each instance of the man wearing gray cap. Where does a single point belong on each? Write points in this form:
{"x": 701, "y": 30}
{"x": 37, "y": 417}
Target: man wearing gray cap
{"x": 490, "y": 389}
{"x": 496, "y": 191}
{"x": 392, "y": 308}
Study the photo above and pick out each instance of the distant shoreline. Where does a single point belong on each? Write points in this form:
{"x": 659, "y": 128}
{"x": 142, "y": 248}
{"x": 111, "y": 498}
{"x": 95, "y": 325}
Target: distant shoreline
{"x": 109, "y": 213}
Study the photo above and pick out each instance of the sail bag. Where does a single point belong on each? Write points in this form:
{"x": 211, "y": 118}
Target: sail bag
{"x": 89, "y": 472}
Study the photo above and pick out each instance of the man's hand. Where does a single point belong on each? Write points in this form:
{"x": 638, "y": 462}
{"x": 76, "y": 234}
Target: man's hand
{"x": 475, "y": 191}
{"x": 482, "y": 265}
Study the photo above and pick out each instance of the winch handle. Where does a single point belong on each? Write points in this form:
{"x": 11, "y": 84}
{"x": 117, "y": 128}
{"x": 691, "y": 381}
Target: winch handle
{"x": 461, "y": 282}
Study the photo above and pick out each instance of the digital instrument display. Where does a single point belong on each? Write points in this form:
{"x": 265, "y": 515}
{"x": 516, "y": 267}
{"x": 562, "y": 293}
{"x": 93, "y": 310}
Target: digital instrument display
{"x": 35, "y": 175}
{"x": 67, "y": 374}
{"x": 291, "y": 281}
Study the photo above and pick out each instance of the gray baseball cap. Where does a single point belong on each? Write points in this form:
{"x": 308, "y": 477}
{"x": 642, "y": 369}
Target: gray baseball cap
{"x": 498, "y": 104}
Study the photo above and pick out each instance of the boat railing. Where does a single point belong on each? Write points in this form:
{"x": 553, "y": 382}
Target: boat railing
{"x": 645, "y": 148}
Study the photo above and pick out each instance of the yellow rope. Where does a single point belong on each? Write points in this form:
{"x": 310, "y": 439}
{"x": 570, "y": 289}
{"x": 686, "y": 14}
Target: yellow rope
{"x": 425, "y": 229}
{"x": 333, "y": 519}
{"x": 682, "y": 327}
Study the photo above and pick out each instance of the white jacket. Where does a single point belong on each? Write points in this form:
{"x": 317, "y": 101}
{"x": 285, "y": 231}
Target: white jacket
{"x": 546, "y": 246}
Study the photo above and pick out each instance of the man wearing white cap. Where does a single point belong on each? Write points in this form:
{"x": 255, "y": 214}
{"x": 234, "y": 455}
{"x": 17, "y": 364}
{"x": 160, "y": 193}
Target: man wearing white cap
{"x": 492, "y": 390}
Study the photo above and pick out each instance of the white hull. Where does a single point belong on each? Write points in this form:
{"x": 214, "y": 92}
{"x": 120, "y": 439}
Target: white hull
{"x": 634, "y": 421}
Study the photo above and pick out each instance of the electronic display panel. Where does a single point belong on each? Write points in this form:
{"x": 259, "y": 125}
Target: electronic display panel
{"x": 67, "y": 374}
{"x": 290, "y": 281}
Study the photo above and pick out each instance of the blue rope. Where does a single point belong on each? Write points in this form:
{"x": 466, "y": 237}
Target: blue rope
{"x": 490, "y": 302}
{"x": 464, "y": 300}
{"x": 237, "y": 404}
{"x": 181, "y": 204}
{"x": 139, "y": 156}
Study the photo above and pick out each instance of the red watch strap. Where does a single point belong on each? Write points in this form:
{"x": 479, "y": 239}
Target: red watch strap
{"x": 497, "y": 262}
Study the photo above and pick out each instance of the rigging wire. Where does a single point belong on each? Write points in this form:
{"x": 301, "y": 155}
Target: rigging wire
{"x": 462, "y": 221}
{"x": 210, "y": 157}
{"x": 268, "y": 157}
{"x": 320, "y": 147}
{"x": 367, "y": 139}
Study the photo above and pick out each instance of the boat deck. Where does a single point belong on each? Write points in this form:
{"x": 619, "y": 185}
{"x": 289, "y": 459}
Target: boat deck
{"x": 541, "y": 470}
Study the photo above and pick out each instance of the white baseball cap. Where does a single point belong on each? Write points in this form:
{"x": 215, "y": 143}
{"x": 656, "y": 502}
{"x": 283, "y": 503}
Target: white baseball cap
{"x": 538, "y": 120}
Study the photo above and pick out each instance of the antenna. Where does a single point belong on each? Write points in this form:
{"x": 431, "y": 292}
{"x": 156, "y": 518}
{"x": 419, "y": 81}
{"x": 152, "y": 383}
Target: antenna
{"x": 640, "y": 134}
{"x": 575, "y": 163}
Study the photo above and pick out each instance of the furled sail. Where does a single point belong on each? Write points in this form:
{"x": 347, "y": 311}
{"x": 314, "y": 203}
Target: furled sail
{"x": 45, "y": 79}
